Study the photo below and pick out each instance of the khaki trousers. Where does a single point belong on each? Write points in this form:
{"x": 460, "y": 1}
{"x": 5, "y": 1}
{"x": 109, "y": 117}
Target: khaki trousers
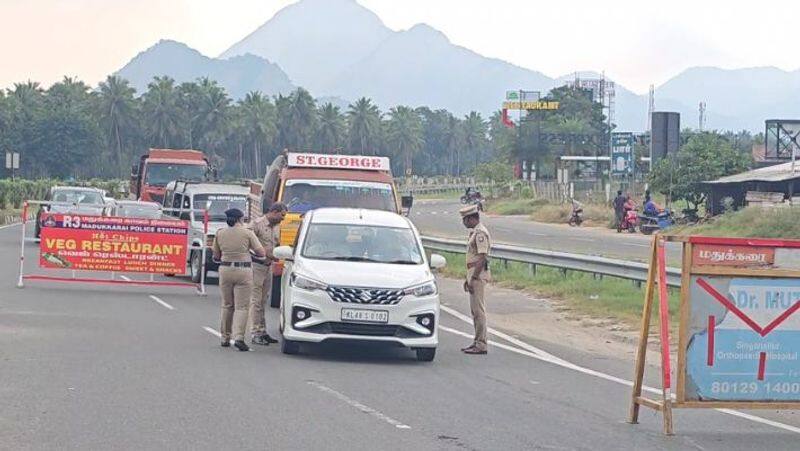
{"x": 236, "y": 284}
{"x": 262, "y": 291}
{"x": 477, "y": 303}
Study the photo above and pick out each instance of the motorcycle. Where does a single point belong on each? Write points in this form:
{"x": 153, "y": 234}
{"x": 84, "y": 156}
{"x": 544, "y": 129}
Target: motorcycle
{"x": 472, "y": 197}
{"x": 630, "y": 220}
{"x": 576, "y": 218}
{"x": 650, "y": 222}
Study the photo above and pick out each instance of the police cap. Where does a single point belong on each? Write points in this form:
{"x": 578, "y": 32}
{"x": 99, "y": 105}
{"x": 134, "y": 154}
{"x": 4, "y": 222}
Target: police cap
{"x": 469, "y": 211}
{"x": 234, "y": 213}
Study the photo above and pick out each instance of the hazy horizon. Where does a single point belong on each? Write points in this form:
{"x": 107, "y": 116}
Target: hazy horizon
{"x": 45, "y": 40}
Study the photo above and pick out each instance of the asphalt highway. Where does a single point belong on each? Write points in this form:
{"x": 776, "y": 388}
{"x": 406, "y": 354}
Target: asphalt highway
{"x": 97, "y": 367}
{"x": 440, "y": 218}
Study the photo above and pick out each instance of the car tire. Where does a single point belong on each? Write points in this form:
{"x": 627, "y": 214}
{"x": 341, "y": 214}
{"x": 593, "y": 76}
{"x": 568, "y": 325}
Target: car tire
{"x": 275, "y": 296}
{"x": 195, "y": 266}
{"x": 289, "y": 347}
{"x": 425, "y": 354}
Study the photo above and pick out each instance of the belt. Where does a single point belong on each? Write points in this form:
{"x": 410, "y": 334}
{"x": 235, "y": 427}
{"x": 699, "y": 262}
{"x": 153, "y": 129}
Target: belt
{"x": 236, "y": 264}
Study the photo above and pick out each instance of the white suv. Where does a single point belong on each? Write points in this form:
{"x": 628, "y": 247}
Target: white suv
{"x": 359, "y": 275}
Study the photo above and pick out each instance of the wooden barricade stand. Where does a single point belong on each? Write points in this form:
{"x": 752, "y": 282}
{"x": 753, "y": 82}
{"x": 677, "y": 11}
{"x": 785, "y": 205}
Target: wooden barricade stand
{"x": 713, "y": 268}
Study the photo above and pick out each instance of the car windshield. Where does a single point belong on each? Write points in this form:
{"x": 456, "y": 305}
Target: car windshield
{"x": 301, "y": 196}
{"x": 78, "y": 197}
{"x": 362, "y": 243}
{"x": 216, "y": 204}
{"x": 138, "y": 211}
{"x": 159, "y": 174}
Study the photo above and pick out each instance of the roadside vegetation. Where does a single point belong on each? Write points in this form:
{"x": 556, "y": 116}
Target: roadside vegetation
{"x": 540, "y": 210}
{"x": 581, "y": 292}
{"x": 14, "y": 193}
{"x": 751, "y": 222}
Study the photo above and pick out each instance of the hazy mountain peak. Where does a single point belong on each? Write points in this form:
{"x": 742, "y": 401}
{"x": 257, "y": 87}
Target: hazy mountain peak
{"x": 426, "y": 31}
{"x": 237, "y": 75}
{"x": 315, "y": 39}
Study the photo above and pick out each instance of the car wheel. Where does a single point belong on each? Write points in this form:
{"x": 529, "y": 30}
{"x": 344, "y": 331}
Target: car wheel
{"x": 275, "y": 296}
{"x": 425, "y": 354}
{"x": 289, "y": 347}
{"x": 195, "y": 266}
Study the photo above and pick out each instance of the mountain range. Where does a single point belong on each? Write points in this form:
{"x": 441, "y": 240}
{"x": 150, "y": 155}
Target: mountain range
{"x": 340, "y": 50}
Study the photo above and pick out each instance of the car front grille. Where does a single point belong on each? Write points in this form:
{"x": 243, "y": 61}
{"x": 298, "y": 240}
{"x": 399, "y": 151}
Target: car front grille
{"x": 365, "y": 295}
{"x": 361, "y": 329}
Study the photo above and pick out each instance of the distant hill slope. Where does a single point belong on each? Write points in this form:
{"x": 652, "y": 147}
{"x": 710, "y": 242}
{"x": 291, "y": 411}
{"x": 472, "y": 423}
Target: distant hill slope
{"x": 313, "y": 40}
{"x": 238, "y": 75}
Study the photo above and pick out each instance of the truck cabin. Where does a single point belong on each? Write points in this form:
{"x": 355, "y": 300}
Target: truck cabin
{"x": 161, "y": 166}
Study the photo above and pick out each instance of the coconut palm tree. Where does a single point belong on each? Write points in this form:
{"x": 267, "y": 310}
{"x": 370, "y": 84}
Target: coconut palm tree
{"x": 161, "y": 113}
{"x": 404, "y": 134}
{"x": 475, "y": 129}
{"x": 258, "y": 118}
{"x": 117, "y": 111}
{"x": 332, "y": 127}
{"x": 364, "y": 123}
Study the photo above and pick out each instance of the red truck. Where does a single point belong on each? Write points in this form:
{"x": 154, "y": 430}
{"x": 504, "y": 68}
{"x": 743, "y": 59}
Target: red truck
{"x": 158, "y": 167}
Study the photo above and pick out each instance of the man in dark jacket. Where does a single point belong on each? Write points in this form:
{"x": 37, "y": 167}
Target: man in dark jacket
{"x": 619, "y": 209}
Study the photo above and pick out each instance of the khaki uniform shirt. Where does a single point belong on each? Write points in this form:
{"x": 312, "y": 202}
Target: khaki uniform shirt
{"x": 268, "y": 235}
{"x": 480, "y": 242}
{"x": 234, "y": 243}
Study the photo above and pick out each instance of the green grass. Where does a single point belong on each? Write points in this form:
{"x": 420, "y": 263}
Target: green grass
{"x": 606, "y": 297}
{"x": 514, "y": 206}
{"x": 6, "y": 213}
{"x": 750, "y": 222}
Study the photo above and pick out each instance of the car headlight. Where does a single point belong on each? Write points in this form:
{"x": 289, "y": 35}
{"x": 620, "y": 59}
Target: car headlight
{"x": 426, "y": 289}
{"x": 307, "y": 284}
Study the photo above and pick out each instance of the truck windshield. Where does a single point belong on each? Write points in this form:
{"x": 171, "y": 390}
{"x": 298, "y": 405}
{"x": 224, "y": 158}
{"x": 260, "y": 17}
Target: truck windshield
{"x": 301, "y": 196}
{"x": 362, "y": 244}
{"x": 216, "y": 204}
{"x": 77, "y": 196}
{"x": 159, "y": 174}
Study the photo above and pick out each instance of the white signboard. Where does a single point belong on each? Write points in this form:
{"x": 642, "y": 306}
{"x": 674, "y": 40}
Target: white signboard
{"x": 315, "y": 160}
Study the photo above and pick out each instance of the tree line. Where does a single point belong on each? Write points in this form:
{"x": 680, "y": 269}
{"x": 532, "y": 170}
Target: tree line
{"x": 74, "y": 130}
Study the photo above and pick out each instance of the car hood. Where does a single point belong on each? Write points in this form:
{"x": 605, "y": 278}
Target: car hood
{"x": 76, "y": 209}
{"x": 363, "y": 274}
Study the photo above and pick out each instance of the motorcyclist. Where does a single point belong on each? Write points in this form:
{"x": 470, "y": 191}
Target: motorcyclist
{"x": 651, "y": 208}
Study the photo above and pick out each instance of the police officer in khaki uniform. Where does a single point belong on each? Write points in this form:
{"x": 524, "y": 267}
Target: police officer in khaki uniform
{"x": 478, "y": 275}
{"x": 267, "y": 230}
{"x": 232, "y": 248}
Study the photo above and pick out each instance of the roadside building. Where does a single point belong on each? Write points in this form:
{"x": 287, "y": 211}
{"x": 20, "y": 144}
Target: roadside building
{"x": 775, "y": 185}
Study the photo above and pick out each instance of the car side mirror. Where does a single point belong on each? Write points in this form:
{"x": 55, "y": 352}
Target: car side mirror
{"x": 437, "y": 261}
{"x": 283, "y": 253}
{"x": 407, "y": 201}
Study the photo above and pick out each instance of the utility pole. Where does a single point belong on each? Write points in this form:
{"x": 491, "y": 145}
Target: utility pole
{"x": 701, "y": 125}
{"x": 651, "y": 106}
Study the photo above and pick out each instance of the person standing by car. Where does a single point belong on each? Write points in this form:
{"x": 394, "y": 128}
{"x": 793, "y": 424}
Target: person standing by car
{"x": 232, "y": 247}
{"x": 478, "y": 275}
{"x": 267, "y": 230}
{"x": 619, "y": 209}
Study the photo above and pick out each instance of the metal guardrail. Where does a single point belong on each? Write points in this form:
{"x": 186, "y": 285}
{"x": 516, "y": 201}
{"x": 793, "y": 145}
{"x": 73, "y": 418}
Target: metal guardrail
{"x": 611, "y": 267}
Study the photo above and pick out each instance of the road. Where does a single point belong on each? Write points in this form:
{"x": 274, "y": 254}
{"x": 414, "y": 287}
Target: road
{"x": 88, "y": 367}
{"x": 440, "y": 218}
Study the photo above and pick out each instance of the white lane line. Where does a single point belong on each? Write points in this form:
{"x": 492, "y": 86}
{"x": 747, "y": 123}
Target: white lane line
{"x": 353, "y": 403}
{"x": 155, "y": 298}
{"x": 125, "y": 278}
{"x": 504, "y": 336}
{"x": 10, "y": 225}
{"x": 212, "y": 331}
{"x": 618, "y": 380}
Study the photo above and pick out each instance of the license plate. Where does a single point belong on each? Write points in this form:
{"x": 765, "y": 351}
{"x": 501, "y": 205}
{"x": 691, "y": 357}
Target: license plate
{"x": 365, "y": 316}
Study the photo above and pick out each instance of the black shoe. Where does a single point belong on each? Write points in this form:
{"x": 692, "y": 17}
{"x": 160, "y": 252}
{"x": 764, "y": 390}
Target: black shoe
{"x": 260, "y": 340}
{"x": 269, "y": 339}
{"x": 241, "y": 345}
{"x": 225, "y": 344}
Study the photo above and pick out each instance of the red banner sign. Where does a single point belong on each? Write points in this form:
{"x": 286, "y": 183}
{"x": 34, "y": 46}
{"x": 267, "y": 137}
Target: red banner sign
{"x": 741, "y": 256}
{"x": 98, "y": 243}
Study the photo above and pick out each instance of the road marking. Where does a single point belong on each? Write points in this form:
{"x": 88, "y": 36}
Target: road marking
{"x": 618, "y": 380}
{"x": 212, "y": 331}
{"x": 10, "y": 225}
{"x": 125, "y": 278}
{"x": 504, "y": 336}
{"x": 155, "y": 298}
{"x": 353, "y": 403}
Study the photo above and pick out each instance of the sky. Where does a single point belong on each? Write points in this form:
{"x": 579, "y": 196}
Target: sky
{"x": 635, "y": 42}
